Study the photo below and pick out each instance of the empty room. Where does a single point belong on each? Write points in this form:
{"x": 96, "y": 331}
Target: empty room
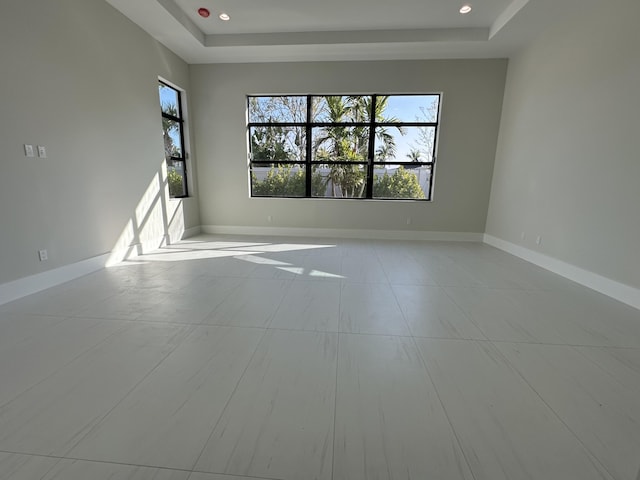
{"x": 279, "y": 240}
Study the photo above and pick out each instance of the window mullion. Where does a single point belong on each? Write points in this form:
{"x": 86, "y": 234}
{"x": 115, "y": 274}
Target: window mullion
{"x": 308, "y": 151}
{"x": 371, "y": 148}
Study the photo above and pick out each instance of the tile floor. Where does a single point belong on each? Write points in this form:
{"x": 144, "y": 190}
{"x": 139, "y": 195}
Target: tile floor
{"x": 230, "y": 358}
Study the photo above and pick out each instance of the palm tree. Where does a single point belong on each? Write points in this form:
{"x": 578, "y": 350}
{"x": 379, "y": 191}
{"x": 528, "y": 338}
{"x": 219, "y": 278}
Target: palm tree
{"x": 339, "y": 142}
{"x": 170, "y": 127}
{"x": 384, "y": 139}
{"x": 342, "y": 142}
{"x": 414, "y": 155}
{"x": 385, "y": 151}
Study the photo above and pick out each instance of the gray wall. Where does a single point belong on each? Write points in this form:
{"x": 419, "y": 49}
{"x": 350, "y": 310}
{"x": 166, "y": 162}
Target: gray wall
{"x": 471, "y": 106}
{"x": 568, "y": 160}
{"x": 80, "y": 79}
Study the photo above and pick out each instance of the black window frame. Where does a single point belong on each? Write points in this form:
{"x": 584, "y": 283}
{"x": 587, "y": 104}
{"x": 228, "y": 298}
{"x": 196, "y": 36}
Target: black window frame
{"x": 179, "y": 119}
{"x": 370, "y": 163}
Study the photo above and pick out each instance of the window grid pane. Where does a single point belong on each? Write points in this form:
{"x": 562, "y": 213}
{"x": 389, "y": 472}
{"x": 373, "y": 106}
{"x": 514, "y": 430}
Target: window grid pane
{"x": 402, "y": 181}
{"x": 352, "y": 146}
{"x": 173, "y": 137}
{"x": 288, "y": 180}
{"x": 276, "y": 143}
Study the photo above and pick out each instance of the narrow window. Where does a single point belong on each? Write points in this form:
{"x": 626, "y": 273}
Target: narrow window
{"x": 173, "y": 134}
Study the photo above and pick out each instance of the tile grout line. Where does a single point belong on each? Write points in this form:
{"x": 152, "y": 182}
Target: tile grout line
{"x": 214, "y": 309}
{"x": 404, "y": 317}
{"x": 516, "y": 370}
{"x": 275, "y": 311}
{"x": 189, "y": 331}
{"x": 435, "y": 389}
{"x": 444, "y": 338}
{"x": 233, "y": 475}
{"x": 226, "y": 405}
{"x": 124, "y": 464}
{"x": 577, "y": 349}
{"x": 44, "y": 475}
{"x": 335, "y": 397}
{"x": 89, "y": 349}
{"x": 384, "y": 270}
{"x": 444, "y": 289}
{"x": 104, "y": 462}
{"x": 575, "y": 345}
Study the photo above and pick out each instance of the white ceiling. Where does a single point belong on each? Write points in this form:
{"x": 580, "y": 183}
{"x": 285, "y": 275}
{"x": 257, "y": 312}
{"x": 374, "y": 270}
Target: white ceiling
{"x": 265, "y": 16}
{"x": 306, "y": 30}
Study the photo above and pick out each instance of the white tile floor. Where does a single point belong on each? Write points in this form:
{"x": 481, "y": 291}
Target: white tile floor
{"x": 230, "y": 358}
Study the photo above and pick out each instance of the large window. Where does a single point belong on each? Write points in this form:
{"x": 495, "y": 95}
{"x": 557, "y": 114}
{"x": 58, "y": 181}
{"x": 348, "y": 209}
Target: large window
{"x": 343, "y": 146}
{"x": 173, "y": 133}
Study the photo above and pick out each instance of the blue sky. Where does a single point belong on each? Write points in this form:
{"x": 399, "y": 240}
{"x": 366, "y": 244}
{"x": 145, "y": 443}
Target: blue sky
{"x": 168, "y": 96}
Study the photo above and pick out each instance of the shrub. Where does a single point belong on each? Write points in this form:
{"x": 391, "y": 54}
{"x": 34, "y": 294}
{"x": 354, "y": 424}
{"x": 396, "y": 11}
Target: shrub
{"x": 176, "y": 183}
{"x": 280, "y": 181}
{"x": 402, "y": 184}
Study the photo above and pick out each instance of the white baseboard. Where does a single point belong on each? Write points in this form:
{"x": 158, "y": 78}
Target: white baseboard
{"x": 344, "y": 233}
{"x": 625, "y": 293}
{"x": 191, "y": 232}
{"x": 41, "y": 281}
{"x": 620, "y": 291}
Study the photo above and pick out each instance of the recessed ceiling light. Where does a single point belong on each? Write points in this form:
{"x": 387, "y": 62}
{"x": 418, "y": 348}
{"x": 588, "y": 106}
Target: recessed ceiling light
{"x": 224, "y": 16}
{"x": 465, "y": 9}
{"x": 204, "y": 12}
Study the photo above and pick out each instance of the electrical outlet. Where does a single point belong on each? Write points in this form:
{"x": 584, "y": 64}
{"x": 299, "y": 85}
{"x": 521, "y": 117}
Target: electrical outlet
{"x": 28, "y": 150}
{"x": 523, "y": 236}
{"x": 43, "y": 256}
{"x": 42, "y": 152}
{"x": 408, "y": 220}
{"x": 538, "y": 240}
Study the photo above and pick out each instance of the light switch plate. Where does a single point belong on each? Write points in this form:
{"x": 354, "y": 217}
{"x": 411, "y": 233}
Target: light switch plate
{"x": 28, "y": 150}
{"x": 42, "y": 152}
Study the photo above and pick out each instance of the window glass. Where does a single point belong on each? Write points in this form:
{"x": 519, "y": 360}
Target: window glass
{"x": 404, "y": 144}
{"x": 277, "y": 143}
{"x": 340, "y": 180}
{"x": 339, "y": 143}
{"x": 289, "y": 109}
{"x": 278, "y": 180}
{"x": 173, "y": 138}
{"x": 352, "y": 146}
{"x": 401, "y": 181}
{"x": 169, "y": 100}
{"x": 412, "y": 108}
{"x": 341, "y": 109}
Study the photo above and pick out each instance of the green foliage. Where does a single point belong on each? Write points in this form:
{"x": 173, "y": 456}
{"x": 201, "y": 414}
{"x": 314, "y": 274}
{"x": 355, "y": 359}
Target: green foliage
{"x": 284, "y": 181}
{"x": 318, "y": 183}
{"x": 269, "y": 143}
{"x": 281, "y": 181}
{"x": 345, "y": 180}
{"x": 176, "y": 183}
{"x": 170, "y": 127}
{"x": 402, "y": 184}
{"x": 414, "y": 155}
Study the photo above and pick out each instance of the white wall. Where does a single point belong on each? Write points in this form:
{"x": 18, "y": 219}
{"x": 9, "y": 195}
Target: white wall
{"x": 471, "y": 105}
{"x": 568, "y": 159}
{"x": 81, "y": 79}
